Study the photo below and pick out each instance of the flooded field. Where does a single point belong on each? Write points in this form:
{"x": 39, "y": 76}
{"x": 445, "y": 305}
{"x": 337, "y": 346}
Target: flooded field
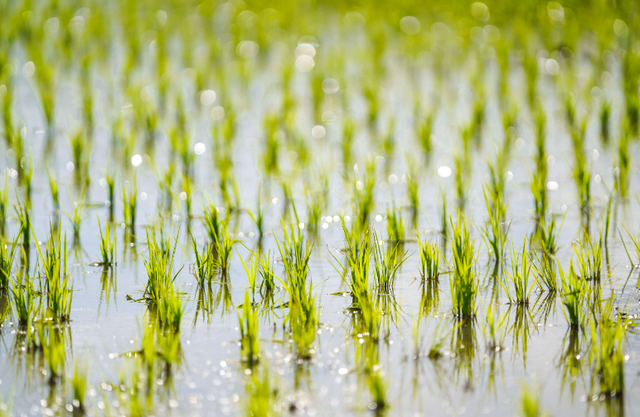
{"x": 319, "y": 208}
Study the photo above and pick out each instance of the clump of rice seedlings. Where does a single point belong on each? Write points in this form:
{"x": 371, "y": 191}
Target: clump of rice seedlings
{"x": 461, "y": 181}
{"x": 605, "y": 120}
{"x": 364, "y": 197}
{"x": 223, "y": 249}
{"x": 463, "y": 283}
{"x": 429, "y": 259}
{"x": 395, "y": 225}
{"x": 267, "y": 276}
{"x": 111, "y": 194}
{"x": 258, "y": 216}
{"x": 108, "y": 246}
{"x": 589, "y": 256}
{"x": 530, "y": 403}
{"x": 494, "y": 231}
{"x": 252, "y": 272}
{"x": 53, "y": 188}
{"x": 423, "y": 134}
{"x": 271, "y": 152}
{"x": 24, "y": 218}
{"x": 159, "y": 266}
{"x": 7, "y": 256}
{"x": 81, "y": 159}
{"x": 4, "y": 206}
{"x": 386, "y": 264}
{"x": 262, "y": 394}
{"x": 130, "y": 203}
{"x": 248, "y": 321}
{"x": 187, "y": 194}
{"x": 413, "y": 191}
{"x": 204, "y": 268}
{"x": 547, "y": 235}
{"x": 519, "y": 277}
{"x": 212, "y": 223}
{"x": 348, "y": 135}
{"x": 545, "y": 271}
{"x": 574, "y": 291}
{"x": 25, "y": 300}
{"x": 316, "y": 205}
{"x": 539, "y": 177}
{"x": 80, "y": 385}
{"x": 59, "y": 287}
{"x": 76, "y": 218}
{"x": 389, "y": 145}
{"x": 621, "y": 172}
{"x": 581, "y": 171}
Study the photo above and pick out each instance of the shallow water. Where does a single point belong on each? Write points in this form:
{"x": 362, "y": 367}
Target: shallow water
{"x": 469, "y": 379}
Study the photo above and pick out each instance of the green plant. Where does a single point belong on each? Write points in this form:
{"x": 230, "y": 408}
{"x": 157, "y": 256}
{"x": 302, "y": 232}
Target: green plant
{"x": 463, "y": 283}
{"x": 494, "y": 231}
{"x": 4, "y": 206}
{"x": 7, "y": 256}
{"x": 108, "y": 246}
{"x": 574, "y": 292}
{"x": 262, "y": 394}
{"x": 395, "y": 225}
{"x": 77, "y": 217}
{"x": 519, "y": 277}
{"x": 79, "y": 385}
{"x": 59, "y": 287}
{"x": 530, "y": 403}
{"x": 130, "y": 203}
{"x": 545, "y": 270}
{"x": 589, "y": 256}
{"x": 429, "y": 258}
{"x": 170, "y": 309}
{"x": 159, "y": 266}
{"x": 26, "y": 302}
{"x": 386, "y": 263}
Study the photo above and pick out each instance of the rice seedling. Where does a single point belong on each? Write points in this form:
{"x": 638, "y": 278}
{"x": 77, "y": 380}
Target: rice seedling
{"x": 519, "y": 277}
{"x": 423, "y": 134}
{"x": 7, "y": 257}
{"x": 545, "y": 271}
{"x": 204, "y": 267}
{"x": 348, "y": 134}
{"x": 267, "y": 276}
{"x": 223, "y": 249}
{"x": 24, "y": 218}
{"x": 364, "y": 196}
{"x": 25, "y": 300}
{"x": 621, "y": 172}
{"x": 573, "y": 294}
{"x": 461, "y": 182}
{"x": 386, "y": 264}
{"x": 77, "y": 217}
{"x": 538, "y": 182}
{"x": 589, "y": 257}
{"x": 252, "y": 272}
{"x": 111, "y": 194}
{"x": 187, "y": 194}
{"x": 80, "y": 159}
{"x": 248, "y": 321}
{"x": 159, "y": 266}
{"x": 605, "y": 121}
{"x": 169, "y": 309}
{"x": 108, "y": 246}
{"x": 463, "y": 283}
{"x": 316, "y": 204}
{"x": 378, "y": 387}
{"x": 547, "y": 235}
{"x": 258, "y": 216}
{"x": 395, "y": 225}
{"x": 494, "y": 231}
{"x": 55, "y": 192}
{"x": 413, "y": 191}
{"x": 581, "y": 171}
{"x": 429, "y": 259}
{"x": 130, "y": 203}
{"x": 58, "y": 282}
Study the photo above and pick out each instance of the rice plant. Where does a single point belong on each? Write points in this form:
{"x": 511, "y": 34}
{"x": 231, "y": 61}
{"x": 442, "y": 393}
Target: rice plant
{"x": 589, "y": 257}
{"x": 130, "y": 203}
{"x": 108, "y": 246}
{"x": 545, "y": 271}
{"x": 429, "y": 259}
{"x": 573, "y": 294}
{"x": 4, "y": 206}
{"x": 519, "y": 277}
{"x": 463, "y": 283}
{"x": 607, "y": 356}
{"x": 248, "y": 321}
{"x": 494, "y": 231}
{"x": 386, "y": 264}
{"x": 25, "y": 299}
{"x": 395, "y": 225}
{"x": 159, "y": 266}
{"x": 621, "y": 172}
{"x": 58, "y": 282}
{"x": 169, "y": 309}
{"x": 54, "y": 189}
{"x": 76, "y": 218}
{"x": 413, "y": 191}
{"x": 204, "y": 266}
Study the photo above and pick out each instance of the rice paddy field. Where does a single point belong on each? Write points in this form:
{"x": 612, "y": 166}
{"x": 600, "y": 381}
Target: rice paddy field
{"x": 319, "y": 208}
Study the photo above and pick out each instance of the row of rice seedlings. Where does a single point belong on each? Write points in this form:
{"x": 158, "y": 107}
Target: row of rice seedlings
{"x": 395, "y": 225}
{"x": 386, "y": 263}
{"x": 589, "y": 257}
{"x": 248, "y": 321}
{"x": 494, "y": 231}
{"x": 429, "y": 259}
{"x": 519, "y": 277}
{"x": 108, "y": 246}
{"x": 58, "y": 285}
{"x": 463, "y": 282}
